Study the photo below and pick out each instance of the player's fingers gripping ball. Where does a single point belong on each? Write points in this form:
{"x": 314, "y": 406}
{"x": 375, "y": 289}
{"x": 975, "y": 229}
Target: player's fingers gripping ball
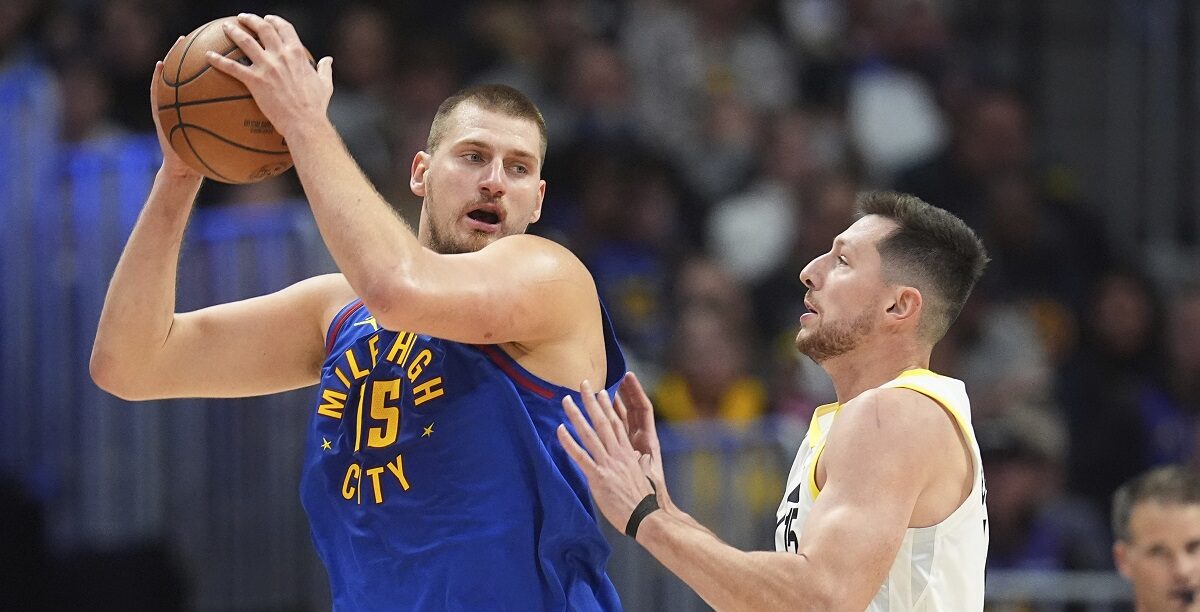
{"x": 209, "y": 118}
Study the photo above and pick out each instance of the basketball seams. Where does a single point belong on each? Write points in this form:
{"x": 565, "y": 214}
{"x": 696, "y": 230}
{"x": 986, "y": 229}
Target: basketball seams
{"x": 233, "y": 157}
{"x": 178, "y": 104}
{"x": 228, "y": 141}
{"x": 206, "y": 68}
{"x": 171, "y": 138}
{"x": 183, "y": 55}
{"x": 179, "y": 111}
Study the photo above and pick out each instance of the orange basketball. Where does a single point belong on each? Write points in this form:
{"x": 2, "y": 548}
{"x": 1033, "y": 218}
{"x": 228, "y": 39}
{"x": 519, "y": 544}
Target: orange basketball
{"x": 210, "y": 118}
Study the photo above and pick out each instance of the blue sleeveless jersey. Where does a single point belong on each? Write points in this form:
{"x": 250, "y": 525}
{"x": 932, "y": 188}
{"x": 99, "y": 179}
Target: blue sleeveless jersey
{"x": 434, "y": 480}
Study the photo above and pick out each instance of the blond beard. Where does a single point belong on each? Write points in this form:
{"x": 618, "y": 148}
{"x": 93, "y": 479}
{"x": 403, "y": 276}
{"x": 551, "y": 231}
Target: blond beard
{"x": 835, "y": 340}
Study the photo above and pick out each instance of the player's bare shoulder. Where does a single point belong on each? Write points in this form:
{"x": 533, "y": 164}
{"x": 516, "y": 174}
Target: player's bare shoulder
{"x": 529, "y": 245}
{"x": 891, "y": 412}
{"x": 900, "y": 424}
{"x": 542, "y": 259}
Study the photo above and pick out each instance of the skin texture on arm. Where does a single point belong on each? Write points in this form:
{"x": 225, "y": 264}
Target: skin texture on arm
{"x": 144, "y": 349}
{"x": 519, "y": 289}
{"x": 877, "y": 463}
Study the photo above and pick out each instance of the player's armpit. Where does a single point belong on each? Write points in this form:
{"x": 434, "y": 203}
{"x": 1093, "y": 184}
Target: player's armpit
{"x": 257, "y": 346}
{"x": 521, "y": 288}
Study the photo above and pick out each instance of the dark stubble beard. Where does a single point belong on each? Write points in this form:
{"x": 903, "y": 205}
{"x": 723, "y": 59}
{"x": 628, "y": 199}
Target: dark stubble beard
{"x": 829, "y": 341}
{"x": 440, "y": 244}
{"x": 444, "y": 244}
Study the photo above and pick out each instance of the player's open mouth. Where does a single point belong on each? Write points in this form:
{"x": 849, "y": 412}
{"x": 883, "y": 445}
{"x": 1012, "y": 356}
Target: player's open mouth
{"x": 486, "y": 218}
{"x": 810, "y": 315}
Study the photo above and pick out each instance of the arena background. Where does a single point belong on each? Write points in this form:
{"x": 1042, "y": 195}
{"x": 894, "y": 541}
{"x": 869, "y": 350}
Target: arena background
{"x": 701, "y": 152}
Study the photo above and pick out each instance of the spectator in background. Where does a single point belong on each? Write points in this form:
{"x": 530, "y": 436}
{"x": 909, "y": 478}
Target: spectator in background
{"x": 1183, "y": 354}
{"x": 598, "y": 107}
{"x": 1035, "y": 524}
{"x": 711, "y": 360}
{"x": 798, "y": 148}
{"x": 1113, "y": 389}
{"x": 130, "y": 37}
{"x": 711, "y": 398}
{"x": 360, "y": 109}
{"x": 86, "y": 99}
{"x": 427, "y": 75}
{"x": 1003, "y": 361}
{"x": 628, "y": 234}
{"x": 827, "y": 207}
{"x": 703, "y": 74}
{"x": 1156, "y": 524}
{"x": 892, "y": 110}
{"x": 1042, "y": 249}
{"x": 991, "y": 138}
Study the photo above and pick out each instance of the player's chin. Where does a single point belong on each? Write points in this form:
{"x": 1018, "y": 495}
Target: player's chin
{"x": 801, "y": 339}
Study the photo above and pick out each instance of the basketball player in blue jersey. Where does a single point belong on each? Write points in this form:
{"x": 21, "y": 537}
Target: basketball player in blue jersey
{"x": 884, "y": 508}
{"x": 432, "y": 476}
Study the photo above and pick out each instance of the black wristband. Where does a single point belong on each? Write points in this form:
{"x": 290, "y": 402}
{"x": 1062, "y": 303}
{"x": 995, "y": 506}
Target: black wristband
{"x": 648, "y": 504}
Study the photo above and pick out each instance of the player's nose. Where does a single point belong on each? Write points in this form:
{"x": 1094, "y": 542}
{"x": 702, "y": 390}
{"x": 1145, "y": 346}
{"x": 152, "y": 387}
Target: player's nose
{"x": 809, "y": 275}
{"x": 493, "y": 180}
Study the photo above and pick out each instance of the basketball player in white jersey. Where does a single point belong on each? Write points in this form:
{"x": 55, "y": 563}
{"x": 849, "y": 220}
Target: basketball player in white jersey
{"x": 884, "y": 508}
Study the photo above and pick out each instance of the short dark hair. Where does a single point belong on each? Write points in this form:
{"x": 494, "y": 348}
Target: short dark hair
{"x": 493, "y": 97}
{"x": 1171, "y": 484}
{"x": 932, "y": 250}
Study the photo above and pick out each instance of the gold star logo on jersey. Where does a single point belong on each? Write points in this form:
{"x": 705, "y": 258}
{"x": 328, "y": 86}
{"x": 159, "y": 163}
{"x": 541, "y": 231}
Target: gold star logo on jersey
{"x": 428, "y": 431}
{"x": 326, "y": 444}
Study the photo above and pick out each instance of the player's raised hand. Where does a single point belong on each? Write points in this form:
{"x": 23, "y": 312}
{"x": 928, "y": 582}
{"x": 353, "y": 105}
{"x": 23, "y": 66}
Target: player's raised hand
{"x": 637, "y": 414}
{"x": 614, "y": 470}
{"x": 280, "y": 76}
{"x": 172, "y": 164}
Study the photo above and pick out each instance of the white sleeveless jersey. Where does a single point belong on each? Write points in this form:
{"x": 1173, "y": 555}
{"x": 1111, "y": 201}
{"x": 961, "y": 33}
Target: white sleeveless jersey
{"x": 938, "y": 567}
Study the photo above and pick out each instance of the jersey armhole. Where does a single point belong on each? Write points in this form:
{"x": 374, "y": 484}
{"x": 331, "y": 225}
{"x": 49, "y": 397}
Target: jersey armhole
{"x": 339, "y": 321}
{"x": 813, "y": 489}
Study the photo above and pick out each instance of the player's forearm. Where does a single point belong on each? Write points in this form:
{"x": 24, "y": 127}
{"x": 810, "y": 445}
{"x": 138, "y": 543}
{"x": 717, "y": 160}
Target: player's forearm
{"x": 670, "y": 508}
{"x": 372, "y": 246}
{"x": 725, "y": 577}
{"x": 140, "y": 304}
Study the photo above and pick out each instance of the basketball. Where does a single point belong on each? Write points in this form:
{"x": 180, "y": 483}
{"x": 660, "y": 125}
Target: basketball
{"x": 210, "y": 118}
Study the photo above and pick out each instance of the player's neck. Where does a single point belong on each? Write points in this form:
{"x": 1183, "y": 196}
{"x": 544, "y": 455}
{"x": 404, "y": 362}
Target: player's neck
{"x": 869, "y": 366}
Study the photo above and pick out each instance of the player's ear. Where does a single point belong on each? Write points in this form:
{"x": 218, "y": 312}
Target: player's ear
{"x": 1121, "y": 557}
{"x": 537, "y": 210}
{"x": 906, "y": 304}
{"x": 420, "y": 174}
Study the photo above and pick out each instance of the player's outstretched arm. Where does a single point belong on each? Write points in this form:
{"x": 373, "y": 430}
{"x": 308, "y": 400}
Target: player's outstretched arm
{"x": 518, "y": 289}
{"x": 849, "y": 541}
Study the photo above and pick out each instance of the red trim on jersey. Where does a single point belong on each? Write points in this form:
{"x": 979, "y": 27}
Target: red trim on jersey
{"x": 494, "y": 355}
{"x": 337, "y": 327}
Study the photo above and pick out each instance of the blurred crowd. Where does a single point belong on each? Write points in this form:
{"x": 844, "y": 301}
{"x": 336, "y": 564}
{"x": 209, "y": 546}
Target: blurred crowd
{"x": 701, "y": 153}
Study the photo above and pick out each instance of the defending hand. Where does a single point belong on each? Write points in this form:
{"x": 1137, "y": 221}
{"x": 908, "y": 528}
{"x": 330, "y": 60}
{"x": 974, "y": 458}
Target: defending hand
{"x": 615, "y": 471}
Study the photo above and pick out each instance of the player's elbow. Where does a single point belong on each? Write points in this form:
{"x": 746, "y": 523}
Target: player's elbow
{"x": 388, "y": 299}
{"x": 109, "y": 374}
